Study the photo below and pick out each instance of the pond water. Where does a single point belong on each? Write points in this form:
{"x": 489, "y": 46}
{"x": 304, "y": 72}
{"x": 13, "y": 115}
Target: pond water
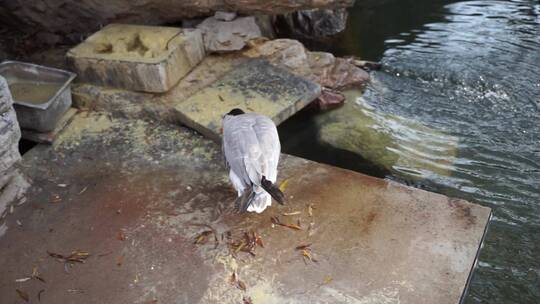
{"x": 468, "y": 72}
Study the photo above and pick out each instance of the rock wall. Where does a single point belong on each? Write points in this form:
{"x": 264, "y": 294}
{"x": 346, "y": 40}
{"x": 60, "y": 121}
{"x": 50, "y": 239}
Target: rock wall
{"x": 12, "y": 184}
{"x": 71, "y": 18}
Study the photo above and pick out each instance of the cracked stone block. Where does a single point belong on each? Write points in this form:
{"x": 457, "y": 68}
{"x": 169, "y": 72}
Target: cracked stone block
{"x": 254, "y": 86}
{"x": 139, "y": 58}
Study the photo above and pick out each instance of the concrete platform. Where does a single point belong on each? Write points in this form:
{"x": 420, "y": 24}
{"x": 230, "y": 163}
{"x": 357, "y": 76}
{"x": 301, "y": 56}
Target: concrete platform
{"x": 136, "y": 195}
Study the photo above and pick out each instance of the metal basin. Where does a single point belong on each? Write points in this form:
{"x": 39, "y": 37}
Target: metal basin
{"x": 41, "y": 95}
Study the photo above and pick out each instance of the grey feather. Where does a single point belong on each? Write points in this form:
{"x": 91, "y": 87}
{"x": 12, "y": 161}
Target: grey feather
{"x": 252, "y": 149}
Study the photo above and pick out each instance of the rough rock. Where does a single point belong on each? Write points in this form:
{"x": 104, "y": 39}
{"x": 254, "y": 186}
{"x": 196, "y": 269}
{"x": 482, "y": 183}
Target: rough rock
{"x": 225, "y": 36}
{"x": 12, "y": 184}
{"x": 75, "y": 16}
{"x": 315, "y": 24}
{"x": 321, "y": 67}
{"x": 336, "y": 73}
{"x": 329, "y": 100}
{"x": 225, "y": 16}
{"x": 286, "y": 53}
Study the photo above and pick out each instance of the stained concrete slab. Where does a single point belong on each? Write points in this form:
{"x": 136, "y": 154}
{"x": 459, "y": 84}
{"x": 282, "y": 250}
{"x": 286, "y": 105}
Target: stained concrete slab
{"x": 254, "y": 86}
{"x": 136, "y": 194}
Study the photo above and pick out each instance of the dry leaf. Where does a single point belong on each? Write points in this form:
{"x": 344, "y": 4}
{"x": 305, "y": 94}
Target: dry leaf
{"x": 302, "y": 247}
{"x": 292, "y": 226}
{"x": 283, "y": 185}
{"x": 120, "y": 261}
{"x": 82, "y": 191}
{"x": 23, "y": 295}
{"x": 291, "y": 213}
{"x": 241, "y": 285}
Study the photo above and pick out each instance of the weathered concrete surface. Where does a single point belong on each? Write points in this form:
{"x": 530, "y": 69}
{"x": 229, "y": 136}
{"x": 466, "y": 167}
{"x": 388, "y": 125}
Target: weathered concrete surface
{"x": 254, "y": 86}
{"x": 136, "y": 194}
{"x": 71, "y": 18}
{"x": 138, "y": 58}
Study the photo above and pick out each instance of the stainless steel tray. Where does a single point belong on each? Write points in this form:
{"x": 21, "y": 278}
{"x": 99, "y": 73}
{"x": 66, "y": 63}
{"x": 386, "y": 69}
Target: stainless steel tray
{"x": 43, "y": 112}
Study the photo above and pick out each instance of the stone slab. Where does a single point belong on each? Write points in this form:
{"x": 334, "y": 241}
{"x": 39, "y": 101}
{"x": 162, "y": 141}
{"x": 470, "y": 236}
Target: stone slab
{"x": 254, "y": 86}
{"x": 136, "y": 195}
{"x": 138, "y": 58}
{"x": 49, "y": 137}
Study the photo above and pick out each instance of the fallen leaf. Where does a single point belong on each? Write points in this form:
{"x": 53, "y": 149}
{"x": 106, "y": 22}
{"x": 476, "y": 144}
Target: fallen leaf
{"x": 120, "y": 236}
{"x": 201, "y": 238}
{"x": 306, "y": 253}
{"x": 310, "y": 209}
{"x": 247, "y": 300}
{"x": 55, "y": 199}
{"x": 76, "y": 290}
{"x": 233, "y": 278}
{"x": 104, "y": 254}
{"x": 220, "y": 98}
{"x": 302, "y": 247}
{"x": 292, "y": 226}
{"x": 120, "y": 260}
{"x": 23, "y": 295}
{"x": 241, "y": 285}
{"x": 291, "y": 213}
{"x": 82, "y": 191}
{"x": 327, "y": 279}
{"x": 283, "y": 185}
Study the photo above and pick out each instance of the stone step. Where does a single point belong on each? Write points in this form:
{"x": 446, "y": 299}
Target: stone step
{"x": 254, "y": 86}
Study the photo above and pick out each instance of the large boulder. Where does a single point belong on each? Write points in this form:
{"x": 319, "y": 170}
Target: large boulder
{"x": 12, "y": 184}
{"x": 312, "y": 25}
{"x": 74, "y": 17}
{"x": 320, "y": 67}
